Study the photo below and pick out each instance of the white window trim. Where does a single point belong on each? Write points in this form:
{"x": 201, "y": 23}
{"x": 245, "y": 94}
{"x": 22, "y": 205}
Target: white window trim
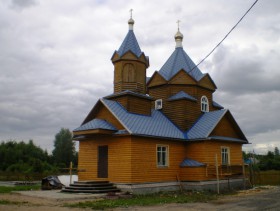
{"x": 167, "y": 156}
{"x": 206, "y": 104}
{"x": 156, "y": 104}
{"x": 228, "y": 152}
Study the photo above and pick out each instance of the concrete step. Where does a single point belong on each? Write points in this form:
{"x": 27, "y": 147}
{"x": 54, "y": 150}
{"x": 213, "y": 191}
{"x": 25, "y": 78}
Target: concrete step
{"x": 91, "y": 182}
{"x": 90, "y": 191}
{"x": 91, "y": 187}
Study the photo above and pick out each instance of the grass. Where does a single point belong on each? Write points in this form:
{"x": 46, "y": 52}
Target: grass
{"x": 147, "y": 200}
{"x": 4, "y": 189}
{"x": 7, "y": 202}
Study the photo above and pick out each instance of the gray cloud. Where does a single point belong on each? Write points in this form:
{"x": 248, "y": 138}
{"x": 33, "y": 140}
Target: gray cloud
{"x": 21, "y": 4}
{"x": 55, "y": 59}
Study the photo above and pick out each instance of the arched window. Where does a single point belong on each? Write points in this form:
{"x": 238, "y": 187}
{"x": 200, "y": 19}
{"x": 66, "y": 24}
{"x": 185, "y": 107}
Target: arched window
{"x": 204, "y": 104}
{"x": 128, "y": 73}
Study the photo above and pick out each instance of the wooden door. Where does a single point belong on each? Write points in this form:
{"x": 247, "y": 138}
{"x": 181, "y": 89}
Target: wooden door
{"x": 102, "y": 171}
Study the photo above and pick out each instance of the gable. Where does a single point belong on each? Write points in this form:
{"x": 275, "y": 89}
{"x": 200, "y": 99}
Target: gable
{"x": 129, "y": 55}
{"x": 227, "y": 127}
{"x": 156, "y": 80}
{"x": 211, "y": 126}
{"x": 207, "y": 82}
{"x": 115, "y": 56}
{"x": 99, "y": 111}
{"x": 182, "y": 78}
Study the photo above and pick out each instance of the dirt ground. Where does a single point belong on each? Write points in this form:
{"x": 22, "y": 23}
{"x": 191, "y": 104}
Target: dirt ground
{"x": 263, "y": 198}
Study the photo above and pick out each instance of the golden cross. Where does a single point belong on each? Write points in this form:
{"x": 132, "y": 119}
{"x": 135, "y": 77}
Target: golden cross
{"x": 130, "y": 12}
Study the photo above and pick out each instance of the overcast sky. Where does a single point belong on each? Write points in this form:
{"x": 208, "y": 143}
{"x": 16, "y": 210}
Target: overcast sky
{"x": 55, "y": 59}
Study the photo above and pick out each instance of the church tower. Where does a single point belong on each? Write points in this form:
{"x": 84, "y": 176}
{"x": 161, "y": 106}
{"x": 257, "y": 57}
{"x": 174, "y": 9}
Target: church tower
{"x": 130, "y": 64}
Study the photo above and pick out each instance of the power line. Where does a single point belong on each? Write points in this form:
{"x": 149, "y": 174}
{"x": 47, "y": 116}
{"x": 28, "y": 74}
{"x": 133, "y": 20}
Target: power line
{"x": 225, "y": 36}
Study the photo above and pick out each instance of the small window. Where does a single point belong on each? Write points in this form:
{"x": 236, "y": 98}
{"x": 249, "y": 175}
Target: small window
{"x": 162, "y": 156}
{"x": 225, "y": 156}
{"x": 158, "y": 104}
{"x": 204, "y": 104}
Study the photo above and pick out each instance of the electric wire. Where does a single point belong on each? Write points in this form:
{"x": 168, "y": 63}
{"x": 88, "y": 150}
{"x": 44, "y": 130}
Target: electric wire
{"x": 225, "y": 36}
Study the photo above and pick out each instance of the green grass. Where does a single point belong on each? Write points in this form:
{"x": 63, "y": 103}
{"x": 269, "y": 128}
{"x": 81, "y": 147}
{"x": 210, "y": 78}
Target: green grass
{"x": 6, "y": 202}
{"x": 147, "y": 200}
{"x": 4, "y": 189}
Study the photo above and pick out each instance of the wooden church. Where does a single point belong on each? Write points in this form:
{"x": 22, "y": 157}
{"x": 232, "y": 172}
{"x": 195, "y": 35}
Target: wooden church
{"x": 152, "y": 133}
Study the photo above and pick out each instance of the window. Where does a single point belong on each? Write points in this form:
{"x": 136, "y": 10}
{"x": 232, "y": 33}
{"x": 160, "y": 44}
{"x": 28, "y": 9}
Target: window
{"x": 225, "y": 155}
{"x": 158, "y": 104}
{"x": 162, "y": 156}
{"x": 204, "y": 104}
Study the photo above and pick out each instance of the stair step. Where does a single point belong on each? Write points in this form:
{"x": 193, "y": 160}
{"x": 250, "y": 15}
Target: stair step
{"x": 91, "y": 182}
{"x": 90, "y": 191}
{"x": 90, "y": 188}
{"x": 91, "y": 185}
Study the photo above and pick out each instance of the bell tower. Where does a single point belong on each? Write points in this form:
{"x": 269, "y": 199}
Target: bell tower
{"x": 130, "y": 64}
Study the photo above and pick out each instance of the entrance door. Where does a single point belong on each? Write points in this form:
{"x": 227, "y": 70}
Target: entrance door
{"x": 102, "y": 171}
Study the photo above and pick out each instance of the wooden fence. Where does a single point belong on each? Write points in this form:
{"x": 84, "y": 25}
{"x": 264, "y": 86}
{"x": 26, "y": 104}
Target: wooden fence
{"x": 265, "y": 178}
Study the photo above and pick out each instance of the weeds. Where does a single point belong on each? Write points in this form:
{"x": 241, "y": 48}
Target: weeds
{"x": 147, "y": 200}
{"x": 4, "y": 189}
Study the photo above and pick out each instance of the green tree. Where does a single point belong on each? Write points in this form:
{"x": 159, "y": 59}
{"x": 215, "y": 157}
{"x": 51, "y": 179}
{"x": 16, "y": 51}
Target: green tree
{"x": 23, "y": 157}
{"x": 64, "y": 148}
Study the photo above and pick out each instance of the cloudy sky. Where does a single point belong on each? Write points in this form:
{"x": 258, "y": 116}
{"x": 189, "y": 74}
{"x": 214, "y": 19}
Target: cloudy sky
{"x": 55, "y": 59}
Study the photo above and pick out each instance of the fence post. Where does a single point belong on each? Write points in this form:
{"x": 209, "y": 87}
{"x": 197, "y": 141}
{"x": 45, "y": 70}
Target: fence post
{"x": 217, "y": 174}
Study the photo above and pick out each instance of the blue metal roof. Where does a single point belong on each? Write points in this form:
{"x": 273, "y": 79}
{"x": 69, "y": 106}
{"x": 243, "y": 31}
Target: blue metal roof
{"x": 96, "y": 124}
{"x": 156, "y": 125}
{"x": 217, "y": 105}
{"x": 177, "y": 61}
{"x": 182, "y": 95}
{"x": 130, "y": 44}
{"x": 187, "y": 162}
{"x": 129, "y": 93}
{"x": 224, "y": 138}
{"x": 205, "y": 124}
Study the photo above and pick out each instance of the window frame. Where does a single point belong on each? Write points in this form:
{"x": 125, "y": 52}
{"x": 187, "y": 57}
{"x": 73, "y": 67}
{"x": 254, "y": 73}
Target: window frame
{"x": 160, "y": 164}
{"x": 225, "y": 155}
{"x": 156, "y": 104}
{"x": 204, "y": 104}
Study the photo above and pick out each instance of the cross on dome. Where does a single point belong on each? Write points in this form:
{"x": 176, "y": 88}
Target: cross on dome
{"x": 130, "y": 21}
{"x": 178, "y": 22}
{"x": 131, "y": 10}
{"x": 179, "y": 36}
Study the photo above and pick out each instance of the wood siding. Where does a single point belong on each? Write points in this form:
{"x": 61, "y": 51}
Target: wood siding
{"x": 183, "y": 113}
{"x": 182, "y": 78}
{"x": 193, "y": 173}
{"x": 103, "y": 113}
{"x": 134, "y": 159}
{"x": 205, "y": 152}
{"x": 144, "y": 160}
{"x": 119, "y": 159}
{"x": 134, "y": 104}
{"x": 226, "y": 128}
{"x": 156, "y": 80}
{"x": 207, "y": 83}
{"x": 139, "y": 75}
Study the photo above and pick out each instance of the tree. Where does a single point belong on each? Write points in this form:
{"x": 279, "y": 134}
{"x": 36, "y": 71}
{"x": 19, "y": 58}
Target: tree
{"x": 64, "y": 148}
{"x": 276, "y": 152}
{"x": 23, "y": 157}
